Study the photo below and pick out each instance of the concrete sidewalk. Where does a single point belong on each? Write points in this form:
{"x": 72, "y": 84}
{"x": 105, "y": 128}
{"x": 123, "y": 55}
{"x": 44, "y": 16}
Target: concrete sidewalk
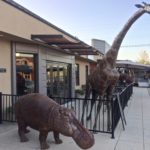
{"x": 135, "y": 137}
{"x": 143, "y": 84}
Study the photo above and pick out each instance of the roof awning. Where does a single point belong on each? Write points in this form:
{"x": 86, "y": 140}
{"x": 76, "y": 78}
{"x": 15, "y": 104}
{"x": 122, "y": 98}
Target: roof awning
{"x": 78, "y": 47}
{"x": 131, "y": 64}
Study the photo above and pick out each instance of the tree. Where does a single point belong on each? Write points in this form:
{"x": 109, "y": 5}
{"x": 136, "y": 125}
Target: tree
{"x": 144, "y": 58}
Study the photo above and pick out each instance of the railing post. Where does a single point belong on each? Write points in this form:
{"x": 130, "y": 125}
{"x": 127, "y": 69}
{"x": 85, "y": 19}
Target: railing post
{"x": 112, "y": 115}
{"x": 0, "y": 108}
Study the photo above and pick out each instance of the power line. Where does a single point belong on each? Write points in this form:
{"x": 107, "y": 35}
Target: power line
{"x": 136, "y": 45}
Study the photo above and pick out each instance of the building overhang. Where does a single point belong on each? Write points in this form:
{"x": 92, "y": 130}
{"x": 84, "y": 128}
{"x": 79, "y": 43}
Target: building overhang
{"x": 11, "y": 37}
{"x": 131, "y": 64}
{"x": 74, "y": 47}
{"x": 14, "y": 38}
{"x": 57, "y": 42}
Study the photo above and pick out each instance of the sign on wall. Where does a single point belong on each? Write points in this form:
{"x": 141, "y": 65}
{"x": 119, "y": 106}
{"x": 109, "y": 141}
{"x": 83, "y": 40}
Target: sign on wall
{"x": 2, "y": 70}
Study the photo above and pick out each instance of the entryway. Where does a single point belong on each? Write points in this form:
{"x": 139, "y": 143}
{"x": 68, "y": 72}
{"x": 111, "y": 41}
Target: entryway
{"x": 26, "y": 79}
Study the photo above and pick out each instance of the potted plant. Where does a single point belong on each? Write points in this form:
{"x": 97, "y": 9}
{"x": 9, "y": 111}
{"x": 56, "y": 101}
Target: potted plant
{"x": 79, "y": 92}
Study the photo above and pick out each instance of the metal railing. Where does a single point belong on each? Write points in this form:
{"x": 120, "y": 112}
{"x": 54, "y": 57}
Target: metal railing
{"x": 7, "y": 107}
{"x": 7, "y": 102}
{"x": 1, "y": 108}
{"x": 77, "y": 104}
{"x": 124, "y": 96}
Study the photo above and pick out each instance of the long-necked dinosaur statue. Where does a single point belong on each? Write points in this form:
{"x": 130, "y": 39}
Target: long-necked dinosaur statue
{"x": 104, "y": 78}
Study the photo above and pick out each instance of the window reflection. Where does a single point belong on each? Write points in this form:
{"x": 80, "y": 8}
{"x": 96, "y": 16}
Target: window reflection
{"x": 58, "y": 79}
{"x": 25, "y": 73}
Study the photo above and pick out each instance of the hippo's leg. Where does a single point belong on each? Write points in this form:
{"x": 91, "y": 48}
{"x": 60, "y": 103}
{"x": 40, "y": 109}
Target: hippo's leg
{"x": 22, "y": 130}
{"x": 42, "y": 137}
{"x": 56, "y": 137}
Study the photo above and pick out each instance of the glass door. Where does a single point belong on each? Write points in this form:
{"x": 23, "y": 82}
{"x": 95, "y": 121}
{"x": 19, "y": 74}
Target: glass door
{"x": 58, "y": 79}
{"x": 25, "y": 73}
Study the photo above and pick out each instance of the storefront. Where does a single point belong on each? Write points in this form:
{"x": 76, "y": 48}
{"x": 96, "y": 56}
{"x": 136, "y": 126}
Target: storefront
{"x": 38, "y": 70}
{"x": 36, "y": 56}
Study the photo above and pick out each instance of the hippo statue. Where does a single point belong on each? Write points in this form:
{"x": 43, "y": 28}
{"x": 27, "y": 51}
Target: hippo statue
{"x": 43, "y": 114}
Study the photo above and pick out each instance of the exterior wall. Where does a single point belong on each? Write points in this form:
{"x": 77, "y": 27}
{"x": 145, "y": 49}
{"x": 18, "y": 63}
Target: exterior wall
{"x": 102, "y": 46}
{"x": 107, "y": 46}
{"x": 99, "y": 44}
{"x": 97, "y": 57}
{"x": 82, "y": 72}
{"x": 18, "y": 23}
{"x": 27, "y": 48}
{"x": 5, "y": 62}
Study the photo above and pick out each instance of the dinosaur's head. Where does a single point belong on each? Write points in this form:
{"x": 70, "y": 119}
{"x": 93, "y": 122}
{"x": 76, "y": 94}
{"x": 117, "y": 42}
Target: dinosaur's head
{"x": 145, "y": 7}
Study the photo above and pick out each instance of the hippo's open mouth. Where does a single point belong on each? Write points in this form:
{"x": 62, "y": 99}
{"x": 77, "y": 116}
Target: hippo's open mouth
{"x": 83, "y": 139}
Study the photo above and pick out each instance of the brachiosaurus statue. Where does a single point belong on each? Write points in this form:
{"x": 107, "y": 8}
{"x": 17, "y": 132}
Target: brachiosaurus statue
{"x": 104, "y": 78}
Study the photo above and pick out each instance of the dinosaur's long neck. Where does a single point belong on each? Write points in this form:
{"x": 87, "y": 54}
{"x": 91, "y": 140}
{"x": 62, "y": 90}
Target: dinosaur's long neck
{"x": 113, "y": 51}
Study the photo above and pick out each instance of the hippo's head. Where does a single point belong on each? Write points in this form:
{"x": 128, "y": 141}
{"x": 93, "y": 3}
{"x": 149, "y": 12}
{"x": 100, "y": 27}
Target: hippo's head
{"x": 66, "y": 123}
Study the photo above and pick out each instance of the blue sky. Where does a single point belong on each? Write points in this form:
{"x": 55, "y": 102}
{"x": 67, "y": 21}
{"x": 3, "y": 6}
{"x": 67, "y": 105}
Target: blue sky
{"x": 100, "y": 19}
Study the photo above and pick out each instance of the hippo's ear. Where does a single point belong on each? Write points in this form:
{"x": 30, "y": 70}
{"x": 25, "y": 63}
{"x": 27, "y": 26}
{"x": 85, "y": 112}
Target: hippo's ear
{"x": 63, "y": 111}
{"x": 73, "y": 110}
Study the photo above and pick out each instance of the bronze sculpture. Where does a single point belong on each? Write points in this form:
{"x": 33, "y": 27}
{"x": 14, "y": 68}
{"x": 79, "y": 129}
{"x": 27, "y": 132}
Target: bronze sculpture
{"x": 103, "y": 79}
{"x": 126, "y": 77}
{"x": 43, "y": 114}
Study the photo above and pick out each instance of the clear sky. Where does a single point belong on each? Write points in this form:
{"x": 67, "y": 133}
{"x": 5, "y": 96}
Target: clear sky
{"x": 99, "y": 19}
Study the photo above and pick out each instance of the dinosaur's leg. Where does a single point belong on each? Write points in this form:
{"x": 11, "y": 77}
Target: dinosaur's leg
{"x": 109, "y": 98}
{"x": 83, "y": 111}
{"x": 87, "y": 95}
{"x": 93, "y": 100}
{"x": 97, "y": 113}
{"x": 108, "y": 115}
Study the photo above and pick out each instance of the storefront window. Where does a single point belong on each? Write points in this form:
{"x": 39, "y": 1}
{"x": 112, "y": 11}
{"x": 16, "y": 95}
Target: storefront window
{"x": 58, "y": 79}
{"x": 25, "y": 71}
{"x": 86, "y": 72}
{"x": 77, "y": 74}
